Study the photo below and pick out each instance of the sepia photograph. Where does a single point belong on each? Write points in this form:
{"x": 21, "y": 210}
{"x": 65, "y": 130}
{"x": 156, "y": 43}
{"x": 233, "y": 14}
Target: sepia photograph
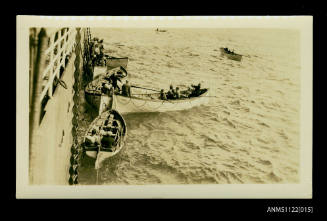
{"x": 157, "y": 107}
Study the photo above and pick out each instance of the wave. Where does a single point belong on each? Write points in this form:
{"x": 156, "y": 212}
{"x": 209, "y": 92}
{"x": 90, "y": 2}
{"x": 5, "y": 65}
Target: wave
{"x": 197, "y": 145}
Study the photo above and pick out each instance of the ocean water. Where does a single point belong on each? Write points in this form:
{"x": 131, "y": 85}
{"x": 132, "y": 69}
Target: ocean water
{"x": 248, "y": 133}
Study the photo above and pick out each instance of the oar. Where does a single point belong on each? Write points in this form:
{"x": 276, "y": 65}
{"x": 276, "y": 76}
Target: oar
{"x": 145, "y": 88}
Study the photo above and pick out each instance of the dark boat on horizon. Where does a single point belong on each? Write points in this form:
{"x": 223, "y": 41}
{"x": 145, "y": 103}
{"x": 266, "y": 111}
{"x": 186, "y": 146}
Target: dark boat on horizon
{"x": 230, "y": 55}
{"x": 158, "y": 30}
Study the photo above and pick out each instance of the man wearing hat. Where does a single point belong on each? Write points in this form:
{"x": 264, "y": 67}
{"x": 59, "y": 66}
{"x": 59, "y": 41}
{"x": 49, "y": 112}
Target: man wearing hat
{"x": 92, "y": 140}
{"x": 126, "y": 89}
{"x": 106, "y": 88}
{"x": 163, "y": 95}
{"x": 171, "y": 92}
{"x": 101, "y": 50}
{"x": 196, "y": 90}
{"x": 114, "y": 80}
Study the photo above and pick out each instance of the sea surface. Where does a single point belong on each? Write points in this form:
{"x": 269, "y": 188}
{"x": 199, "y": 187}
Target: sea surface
{"x": 249, "y": 131}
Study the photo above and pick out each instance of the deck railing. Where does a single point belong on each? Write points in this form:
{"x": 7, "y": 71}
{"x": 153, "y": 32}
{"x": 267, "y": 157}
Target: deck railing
{"x": 60, "y": 45}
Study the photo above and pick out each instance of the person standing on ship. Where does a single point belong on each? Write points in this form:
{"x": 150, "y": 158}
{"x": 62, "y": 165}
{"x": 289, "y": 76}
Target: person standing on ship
{"x": 126, "y": 89}
{"x": 97, "y": 53}
{"x": 114, "y": 81}
{"x": 101, "y": 53}
{"x": 91, "y": 48}
{"x": 106, "y": 88}
{"x": 89, "y": 69}
{"x": 92, "y": 52}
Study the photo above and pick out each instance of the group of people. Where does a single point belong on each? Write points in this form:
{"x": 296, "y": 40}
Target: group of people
{"x": 97, "y": 51}
{"x": 174, "y": 94}
{"x": 111, "y": 85}
{"x": 108, "y": 135}
{"x": 228, "y": 51}
{"x": 171, "y": 94}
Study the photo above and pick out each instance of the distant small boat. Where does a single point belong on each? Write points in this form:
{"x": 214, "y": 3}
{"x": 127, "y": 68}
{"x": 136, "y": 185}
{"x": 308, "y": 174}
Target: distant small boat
{"x": 230, "y": 55}
{"x": 158, "y": 30}
{"x": 119, "y": 133}
{"x": 113, "y": 62}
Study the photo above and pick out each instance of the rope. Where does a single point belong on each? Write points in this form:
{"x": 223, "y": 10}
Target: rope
{"x": 140, "y": 105}
{"x": 150, "y": 89}
{"x": 155, "y": 108}
{"x": 119, "y": 100}
{"x": 146, "y": 101}
{"x": 160, "y": 104}
{"x": 97, "y": 177}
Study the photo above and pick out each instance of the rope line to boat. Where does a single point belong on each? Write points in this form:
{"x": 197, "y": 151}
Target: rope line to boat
{"x": 160, "y": 104}
{"x": 145, "y": 101}
{"x": 137, "y": 105}
{"x": 120, "y": 100}
{"x": 97, "y": 177}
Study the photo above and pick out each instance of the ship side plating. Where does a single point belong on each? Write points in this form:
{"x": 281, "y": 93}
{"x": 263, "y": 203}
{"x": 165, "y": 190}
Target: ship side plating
{"x": 57, "y": 57}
